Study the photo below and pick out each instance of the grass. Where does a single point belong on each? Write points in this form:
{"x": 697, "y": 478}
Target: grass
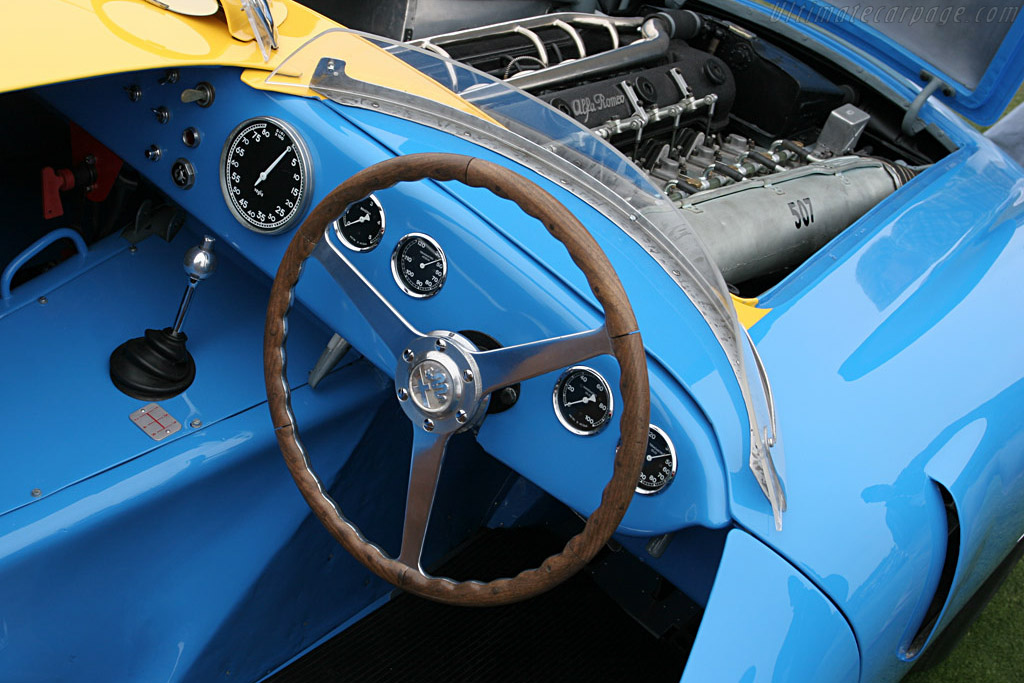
{"x": 992, "y": 650}
{"x": 1017, "y": 99}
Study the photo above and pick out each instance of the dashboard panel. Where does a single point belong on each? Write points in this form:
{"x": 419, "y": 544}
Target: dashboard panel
{"x": 494, "y": 259}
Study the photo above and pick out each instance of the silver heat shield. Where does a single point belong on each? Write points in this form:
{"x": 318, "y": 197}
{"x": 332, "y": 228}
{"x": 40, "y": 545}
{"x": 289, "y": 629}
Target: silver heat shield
{"x": 763, "y": 225}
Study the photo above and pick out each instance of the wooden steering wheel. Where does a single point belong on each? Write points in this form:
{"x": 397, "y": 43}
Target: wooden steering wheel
{"x": 461, "y": 377}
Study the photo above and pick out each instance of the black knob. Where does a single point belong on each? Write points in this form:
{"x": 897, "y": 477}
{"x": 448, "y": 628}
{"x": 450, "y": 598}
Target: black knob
{"x": 162, "y": 114}
{"x": 646, "y": 90}
{"x": 169, "y": 78}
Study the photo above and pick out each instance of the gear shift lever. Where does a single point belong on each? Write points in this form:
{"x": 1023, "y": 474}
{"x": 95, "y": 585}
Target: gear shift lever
{"x": 200, "y": 262}
{"x": 157, "y": 366}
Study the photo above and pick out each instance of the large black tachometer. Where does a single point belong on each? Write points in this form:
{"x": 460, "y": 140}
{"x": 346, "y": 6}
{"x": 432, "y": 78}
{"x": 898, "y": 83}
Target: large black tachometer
{"x": 265, "y": 175}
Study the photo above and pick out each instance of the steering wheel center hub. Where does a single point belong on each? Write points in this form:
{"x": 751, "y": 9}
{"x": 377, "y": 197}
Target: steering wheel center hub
{"x": 432, "y": 387}
{"x": 436, "y": 382}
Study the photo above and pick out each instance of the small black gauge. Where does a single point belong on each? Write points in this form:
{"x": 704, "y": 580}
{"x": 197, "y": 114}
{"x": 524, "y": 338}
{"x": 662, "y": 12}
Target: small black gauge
{"x": 419, "y": 265}
{"x": 265, "y": 175}
{"x": 583, "y": 401}
{"x": 659, "y": 463}
{"x": 361, "y": 226}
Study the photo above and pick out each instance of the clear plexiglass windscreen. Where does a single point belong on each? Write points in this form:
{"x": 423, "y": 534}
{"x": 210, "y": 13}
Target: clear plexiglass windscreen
{"x": 347, "y": 66}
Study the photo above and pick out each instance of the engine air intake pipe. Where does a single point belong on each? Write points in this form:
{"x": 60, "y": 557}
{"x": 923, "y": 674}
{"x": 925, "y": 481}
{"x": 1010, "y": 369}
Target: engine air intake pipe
{"x": 656, "y": 33}
{"x": 762, "y": 225}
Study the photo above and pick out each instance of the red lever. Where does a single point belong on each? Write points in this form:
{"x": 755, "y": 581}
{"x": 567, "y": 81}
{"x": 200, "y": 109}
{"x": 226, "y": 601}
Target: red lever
{"x": 55, "y": 182}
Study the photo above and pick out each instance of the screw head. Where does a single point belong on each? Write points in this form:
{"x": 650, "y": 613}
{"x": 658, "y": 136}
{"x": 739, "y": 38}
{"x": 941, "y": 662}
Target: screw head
{"x": 440, "y": 345}
{"x": 467, "y": 375}
{"x": 508, "y": 396}
{"x": 428, "y": 425}
{"x": 403, "y": 394}
{"x": 36, "y": 493}
{"x": 43, "y": 300}
{"x": 461, "y": 417}
{"x": 196, "y": 423}
{"x": 408, "y": 355}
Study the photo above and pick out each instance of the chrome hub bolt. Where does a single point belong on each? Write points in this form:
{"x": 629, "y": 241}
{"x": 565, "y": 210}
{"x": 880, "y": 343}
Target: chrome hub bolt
{"x": 408, "y": 356}
{"x": 461, "y": 417}
{"x": 403, "y": 394}
{"x": 428, "y": 425}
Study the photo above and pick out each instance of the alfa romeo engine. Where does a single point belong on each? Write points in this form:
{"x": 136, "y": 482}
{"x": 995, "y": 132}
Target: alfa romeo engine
{"x": 769, "y": 156}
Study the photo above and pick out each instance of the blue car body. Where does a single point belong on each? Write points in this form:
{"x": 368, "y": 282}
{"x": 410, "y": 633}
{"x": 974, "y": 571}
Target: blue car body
{"x": 893, "y": 355}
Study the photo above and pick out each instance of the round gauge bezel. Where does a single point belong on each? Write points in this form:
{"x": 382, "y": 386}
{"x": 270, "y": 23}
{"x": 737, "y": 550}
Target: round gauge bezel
{"x": 305, "y": 170}
{"x": 396, "y": 271}
{"x": 340, "y": 233}
{"x": 675, "y": 463}
{"x": 558, "y": 411}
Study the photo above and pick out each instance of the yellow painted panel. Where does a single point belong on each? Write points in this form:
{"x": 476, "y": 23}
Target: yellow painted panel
{"x": 747, "y": 311}
{"x": 60, "y": 40}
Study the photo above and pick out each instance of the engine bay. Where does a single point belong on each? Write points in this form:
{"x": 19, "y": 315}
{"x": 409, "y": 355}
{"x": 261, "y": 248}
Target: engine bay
{"x": 770, "y": 152}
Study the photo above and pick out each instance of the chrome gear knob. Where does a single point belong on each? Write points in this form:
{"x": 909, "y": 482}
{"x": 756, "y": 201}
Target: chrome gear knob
{"x": 200, "y": 261}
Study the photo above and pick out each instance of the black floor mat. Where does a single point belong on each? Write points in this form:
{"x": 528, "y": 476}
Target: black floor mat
{"x": 572, "y": 633}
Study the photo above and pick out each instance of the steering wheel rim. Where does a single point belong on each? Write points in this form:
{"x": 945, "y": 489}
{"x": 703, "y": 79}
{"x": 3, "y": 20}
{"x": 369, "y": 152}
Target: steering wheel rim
{"x": 621, "y": 338}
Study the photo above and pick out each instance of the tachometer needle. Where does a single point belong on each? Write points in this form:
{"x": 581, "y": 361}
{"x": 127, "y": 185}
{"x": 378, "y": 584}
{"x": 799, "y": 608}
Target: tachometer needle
{"x": 589, "y": 398}
{"x": 361, "y": 219}
{"x": 429, "y": 263}
{"x": 264, "y": 174}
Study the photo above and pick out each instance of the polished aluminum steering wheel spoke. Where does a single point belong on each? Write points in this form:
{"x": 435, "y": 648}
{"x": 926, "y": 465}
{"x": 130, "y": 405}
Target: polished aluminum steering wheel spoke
{"x": 511, "y": 364}
{"x": 427, "y": 454}
{"x": 387, "y": 323}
